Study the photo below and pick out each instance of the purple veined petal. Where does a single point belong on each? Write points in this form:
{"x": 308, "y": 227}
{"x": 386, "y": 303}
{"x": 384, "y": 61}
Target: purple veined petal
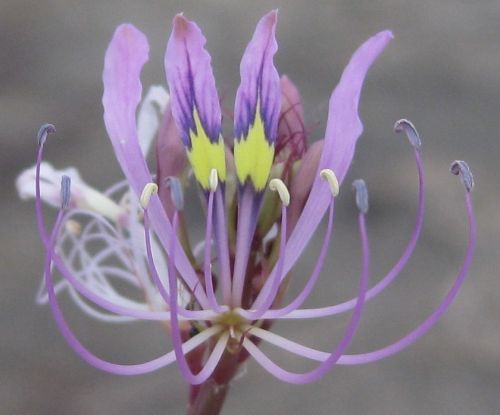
{"x": 302, "y": 181}
{"x": 191, "y": 80}
{"x": 171, "y": 158}
{"x": 291, "y": 142}
{"x": 342, "y": 131}
{"x": 257, "y": 106}
{"x": 125, "y": 56}
{"x": 195, "y": 103}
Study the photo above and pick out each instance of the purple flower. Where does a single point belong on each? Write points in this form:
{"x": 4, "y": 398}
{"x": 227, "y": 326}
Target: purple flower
{"x": 220, "y": 299}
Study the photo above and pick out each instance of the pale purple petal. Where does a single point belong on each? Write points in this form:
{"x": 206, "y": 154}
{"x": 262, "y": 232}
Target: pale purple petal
{"x": 343, "y": 129}
{"x": 125, "y": 56}
{"x": 191, "y": 81}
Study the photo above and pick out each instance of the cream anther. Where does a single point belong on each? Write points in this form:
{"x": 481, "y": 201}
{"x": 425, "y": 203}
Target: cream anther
{"x": 277, "y": 185}
{"x": 149, "y": 190}
{"x": 213, "y": 180}
{"x": 330, "y": 177}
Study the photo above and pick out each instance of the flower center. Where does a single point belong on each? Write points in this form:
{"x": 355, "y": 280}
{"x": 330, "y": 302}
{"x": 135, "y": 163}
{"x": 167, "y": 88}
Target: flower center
{"x": 233, "y": 323}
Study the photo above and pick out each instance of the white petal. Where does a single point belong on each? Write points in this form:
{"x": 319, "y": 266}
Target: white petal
{"x": 148, "y": 120}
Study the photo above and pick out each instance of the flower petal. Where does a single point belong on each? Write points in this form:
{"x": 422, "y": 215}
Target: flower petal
{"x": 344, "y": 126}
{"x": 195, "y": 103}
{"x": 257, "y": 106}
{"x": 343, "y": 129}
{"x": 291, "y": 143}
{"x": 171, "y": 158}
{"x": 148, "y": 119}
{"x": 126, "y": 54}
{"x": 83, "y": 196}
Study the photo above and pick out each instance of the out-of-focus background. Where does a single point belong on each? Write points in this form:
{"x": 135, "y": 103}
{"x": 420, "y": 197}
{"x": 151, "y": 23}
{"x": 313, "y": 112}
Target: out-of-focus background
{"x": 441, "y": 71}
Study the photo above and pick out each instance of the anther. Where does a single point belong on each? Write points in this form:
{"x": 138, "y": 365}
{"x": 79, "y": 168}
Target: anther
{"x": 176, "y": 193}
{"x": 149, "y": 190}
{"x": 277, "y": 185}
{"x": 462, "y": 169}
{"x": 213, "y": 180}
{"x": 411, "y": 132}
{"x": 359, "y": 186}
{"x": 330, "y": 177}
{"x": 65, "y": 191}
{"x": 43, "y": 132}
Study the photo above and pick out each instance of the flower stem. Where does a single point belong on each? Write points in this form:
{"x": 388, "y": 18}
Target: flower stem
{"x": 210, "y": 396}
{"x": 209, "y": 399}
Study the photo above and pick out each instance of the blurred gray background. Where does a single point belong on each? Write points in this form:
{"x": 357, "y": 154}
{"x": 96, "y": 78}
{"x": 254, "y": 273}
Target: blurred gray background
{"x": 441, "y": 71}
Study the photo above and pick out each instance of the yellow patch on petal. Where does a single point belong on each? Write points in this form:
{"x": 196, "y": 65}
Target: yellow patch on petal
{"x": 205, "y": 155}
{"x": 253, "y": 154}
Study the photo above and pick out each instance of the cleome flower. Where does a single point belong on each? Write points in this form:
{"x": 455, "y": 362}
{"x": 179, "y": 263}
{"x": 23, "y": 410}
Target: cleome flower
{"x": 264, "y": 195}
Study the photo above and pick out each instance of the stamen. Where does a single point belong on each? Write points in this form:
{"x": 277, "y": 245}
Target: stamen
{"x": 404, "y": 342}
{"x": 213, "y": 180}
{"x": 100, "y": 299}
{"x": 149, "y": 190}
{"x": 65, "y": 192}
{"x": 330, "y": 177}
{"x": 265, "y": 301}
{"x": 313, "y": 278}
{"x": 249, "y": 204}
{"x": 154, "y": 272}
{"x": 222, "y": 244}
{"x": 277, "y": 185}
{"x": 333, "y": 357}
{"x": 220, "y": 346}
{"x": 359, "y": 186}
{"x": 411, "y": 132}
{"x": 43, "y": 132}
{"x": 83, "y": 352}
{"x": 391, "y": 275}
{"x": 462, "y": 169}
{"x": 207, "y": 261}
{"x": 232, "y": 333}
